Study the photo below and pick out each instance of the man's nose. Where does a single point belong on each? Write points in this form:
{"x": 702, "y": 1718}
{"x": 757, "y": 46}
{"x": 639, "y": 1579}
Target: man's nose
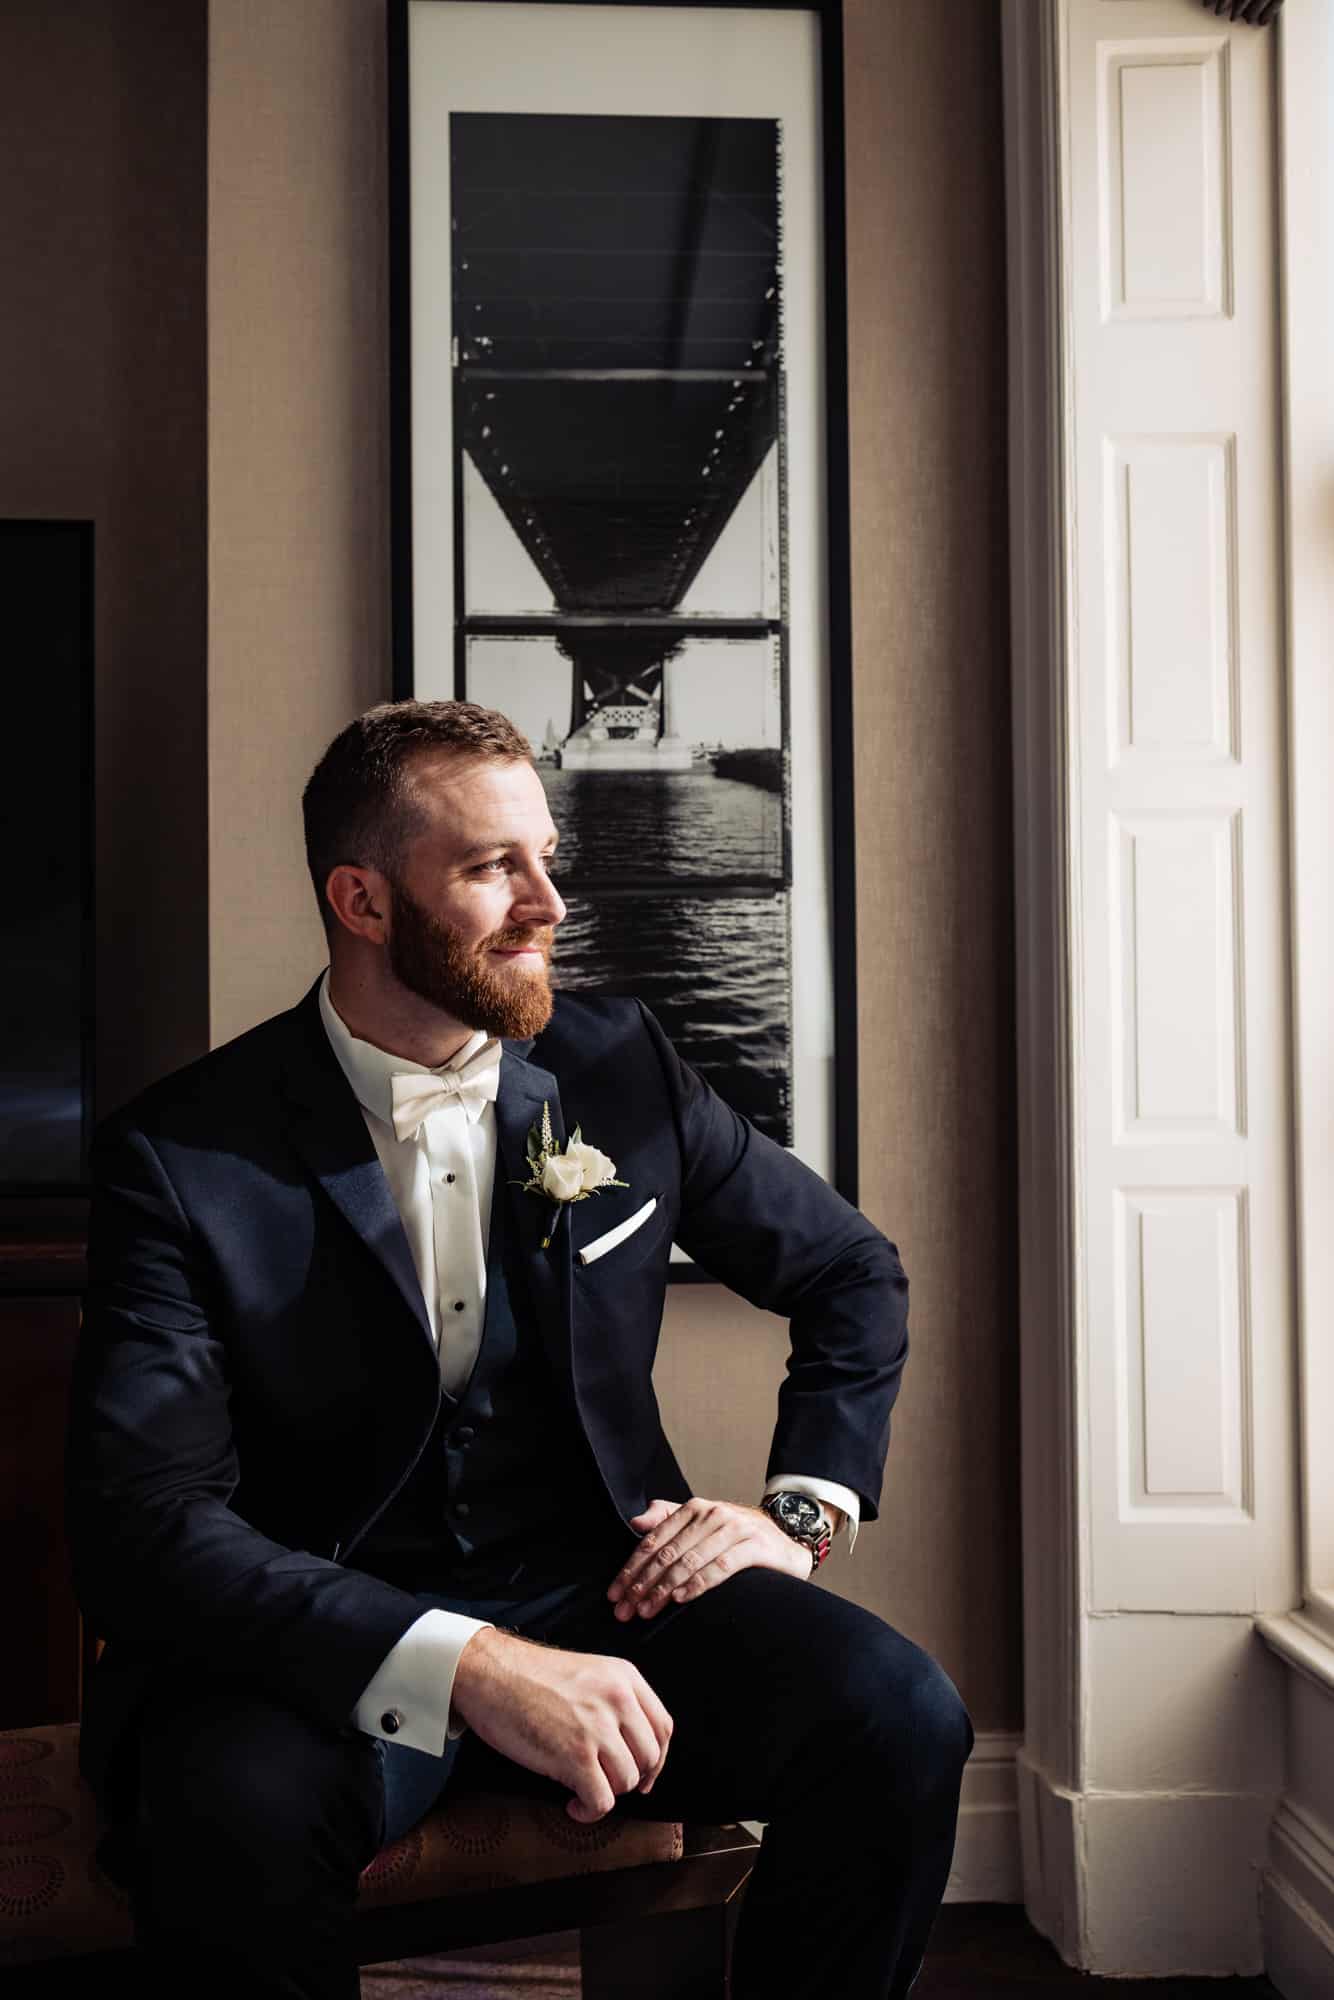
{"x": 540, "y": 902}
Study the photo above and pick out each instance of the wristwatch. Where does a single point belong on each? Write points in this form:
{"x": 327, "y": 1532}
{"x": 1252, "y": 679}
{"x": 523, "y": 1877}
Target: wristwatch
{"x": 804, "y": 1519}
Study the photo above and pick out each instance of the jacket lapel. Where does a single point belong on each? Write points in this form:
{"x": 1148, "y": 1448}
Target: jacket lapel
{"x": 524, "y": 1089}
{"x": 329, "y": 1131}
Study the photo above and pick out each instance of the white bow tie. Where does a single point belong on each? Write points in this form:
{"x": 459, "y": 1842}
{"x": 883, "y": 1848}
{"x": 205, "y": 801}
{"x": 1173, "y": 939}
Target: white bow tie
{"x": 417, "y": 1093}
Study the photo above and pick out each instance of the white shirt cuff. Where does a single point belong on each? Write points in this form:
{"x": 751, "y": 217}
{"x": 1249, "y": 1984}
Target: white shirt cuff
{"x": 820, "y": 1489}
{"x": 414, "y": 1683}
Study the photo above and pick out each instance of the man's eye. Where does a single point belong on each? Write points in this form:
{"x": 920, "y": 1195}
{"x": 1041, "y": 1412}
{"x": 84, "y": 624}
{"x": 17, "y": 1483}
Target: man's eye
{"x": 503, "y": 861}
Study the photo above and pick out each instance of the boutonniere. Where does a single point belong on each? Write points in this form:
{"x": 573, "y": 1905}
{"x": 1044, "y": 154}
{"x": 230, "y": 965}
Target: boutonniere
{"x": 564, "y": 1175}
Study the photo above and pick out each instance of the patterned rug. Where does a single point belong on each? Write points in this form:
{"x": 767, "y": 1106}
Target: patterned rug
{"x": 545, "y": 1968}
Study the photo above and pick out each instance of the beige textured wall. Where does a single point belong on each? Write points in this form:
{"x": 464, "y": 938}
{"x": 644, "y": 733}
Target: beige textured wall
{"x": 298, "y": 459}
{"x": 934, "y": 861}
{"x": 102, "y": 418}
{"x": 297, "y": 625}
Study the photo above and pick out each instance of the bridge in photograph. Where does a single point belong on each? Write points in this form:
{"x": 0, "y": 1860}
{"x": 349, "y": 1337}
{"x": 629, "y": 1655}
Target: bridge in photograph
{"x": 617, "y": 370}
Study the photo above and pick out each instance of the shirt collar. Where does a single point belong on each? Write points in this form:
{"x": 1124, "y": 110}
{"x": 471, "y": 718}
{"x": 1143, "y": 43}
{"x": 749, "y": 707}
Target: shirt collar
{"x": 369, "y": 1069}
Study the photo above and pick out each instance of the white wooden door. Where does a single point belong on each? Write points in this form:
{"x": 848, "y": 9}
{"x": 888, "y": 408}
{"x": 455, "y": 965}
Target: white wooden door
{"x": 1177, "y": 759}
{"x": 1160, "y": 1488}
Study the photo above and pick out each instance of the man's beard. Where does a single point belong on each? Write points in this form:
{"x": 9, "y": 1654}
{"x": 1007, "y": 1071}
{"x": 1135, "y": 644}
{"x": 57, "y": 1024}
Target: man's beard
{"x": 431, "y": 959}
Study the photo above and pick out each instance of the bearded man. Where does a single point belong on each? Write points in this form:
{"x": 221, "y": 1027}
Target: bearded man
{"x": 367, "y": 1482}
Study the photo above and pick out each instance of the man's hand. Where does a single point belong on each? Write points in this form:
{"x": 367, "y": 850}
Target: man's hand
{"x": 591, "y": 1723}
{"x": 689, "y": 1546}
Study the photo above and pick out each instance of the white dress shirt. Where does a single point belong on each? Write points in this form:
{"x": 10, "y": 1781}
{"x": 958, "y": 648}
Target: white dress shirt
{"x": 442, "y": 1179}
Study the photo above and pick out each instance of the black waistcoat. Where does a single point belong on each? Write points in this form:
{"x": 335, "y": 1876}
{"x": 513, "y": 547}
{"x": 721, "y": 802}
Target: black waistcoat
{"x": 507, "y": 1478}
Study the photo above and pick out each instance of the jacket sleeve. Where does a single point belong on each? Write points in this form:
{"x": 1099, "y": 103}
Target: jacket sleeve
{"x": 162, "y": 1562}
{"x": 756, "y": 1217}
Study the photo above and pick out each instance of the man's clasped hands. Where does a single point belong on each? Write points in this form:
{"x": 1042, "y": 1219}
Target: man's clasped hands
{"x": 590, "y": 1721}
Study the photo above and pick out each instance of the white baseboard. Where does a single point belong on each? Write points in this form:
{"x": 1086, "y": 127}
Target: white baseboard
{"x": 1049, "y": 1847}
{"x": 987, "y": 1867}
{"x": 1298, "y": 1905}
{"x": 1147, "y": 1884}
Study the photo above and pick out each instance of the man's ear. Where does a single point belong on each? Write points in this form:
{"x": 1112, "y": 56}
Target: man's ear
{"x": 359, "y": 899}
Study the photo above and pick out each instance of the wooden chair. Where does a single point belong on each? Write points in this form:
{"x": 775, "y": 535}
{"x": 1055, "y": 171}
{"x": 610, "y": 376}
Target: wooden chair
{"x": 655, "y": 1903}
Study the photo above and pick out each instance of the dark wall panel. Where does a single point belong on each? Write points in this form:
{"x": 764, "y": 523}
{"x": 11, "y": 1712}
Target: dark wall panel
{"x": 102, "y": 418}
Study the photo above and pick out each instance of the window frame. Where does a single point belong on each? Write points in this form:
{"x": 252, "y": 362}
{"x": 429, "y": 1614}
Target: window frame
{"x": 1306, "y": 176}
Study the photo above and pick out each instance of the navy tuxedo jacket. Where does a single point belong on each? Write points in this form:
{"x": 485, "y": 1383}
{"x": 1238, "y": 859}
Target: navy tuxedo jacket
{"x": 256, "y": 1375}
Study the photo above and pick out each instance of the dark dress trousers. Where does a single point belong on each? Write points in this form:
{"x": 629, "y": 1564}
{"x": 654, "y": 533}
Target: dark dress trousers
{"x": 265, "y": 1478}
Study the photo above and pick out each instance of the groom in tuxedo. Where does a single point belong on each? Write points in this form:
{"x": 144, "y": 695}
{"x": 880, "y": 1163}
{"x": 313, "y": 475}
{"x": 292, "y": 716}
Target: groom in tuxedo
{"x": 368, "y": 1489}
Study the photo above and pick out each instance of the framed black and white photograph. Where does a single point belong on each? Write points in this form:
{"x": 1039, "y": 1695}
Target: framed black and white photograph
{"x": 617, "y": 428}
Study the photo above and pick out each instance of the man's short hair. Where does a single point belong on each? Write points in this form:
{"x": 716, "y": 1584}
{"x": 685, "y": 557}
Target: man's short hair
{"x": 358, "y": 806}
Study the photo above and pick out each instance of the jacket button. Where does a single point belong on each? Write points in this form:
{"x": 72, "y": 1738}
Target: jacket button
{"x": 465, "y": 1434}
{"x": 391, "y": 1721}
{"x": 462, "y": 1509}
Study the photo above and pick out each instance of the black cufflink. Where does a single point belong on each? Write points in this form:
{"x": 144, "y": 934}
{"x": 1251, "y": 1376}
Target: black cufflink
{"x": 391, "y": 1722}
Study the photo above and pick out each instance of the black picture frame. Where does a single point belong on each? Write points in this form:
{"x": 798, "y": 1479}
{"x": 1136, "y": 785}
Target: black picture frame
{"x": 842, "y": 886}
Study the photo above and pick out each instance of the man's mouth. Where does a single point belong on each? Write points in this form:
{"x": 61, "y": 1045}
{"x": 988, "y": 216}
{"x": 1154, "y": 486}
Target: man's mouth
{"x": 532, "y": 947}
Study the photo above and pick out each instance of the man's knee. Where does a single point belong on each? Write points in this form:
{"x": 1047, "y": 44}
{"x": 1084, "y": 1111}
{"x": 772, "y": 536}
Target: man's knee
{"x": 909, "y": 1717}
{"x": 941, "y": 1731}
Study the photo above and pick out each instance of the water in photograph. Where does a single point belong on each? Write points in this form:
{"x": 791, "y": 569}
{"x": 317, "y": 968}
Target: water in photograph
{"x": 713, "y": 969}
{"x": 641, "y": 825}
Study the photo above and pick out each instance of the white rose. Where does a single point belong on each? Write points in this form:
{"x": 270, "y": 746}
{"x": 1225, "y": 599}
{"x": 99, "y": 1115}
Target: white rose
{"x": 594, "y": 1167}
{"x": 562, "y": 1177}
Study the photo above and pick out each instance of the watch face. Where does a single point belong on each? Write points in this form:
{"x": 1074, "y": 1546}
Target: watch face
{"x": 797, "y": 1511}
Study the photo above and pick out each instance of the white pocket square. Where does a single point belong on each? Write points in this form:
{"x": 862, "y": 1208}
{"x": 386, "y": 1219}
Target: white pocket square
{"x": 602, "y": 1244}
